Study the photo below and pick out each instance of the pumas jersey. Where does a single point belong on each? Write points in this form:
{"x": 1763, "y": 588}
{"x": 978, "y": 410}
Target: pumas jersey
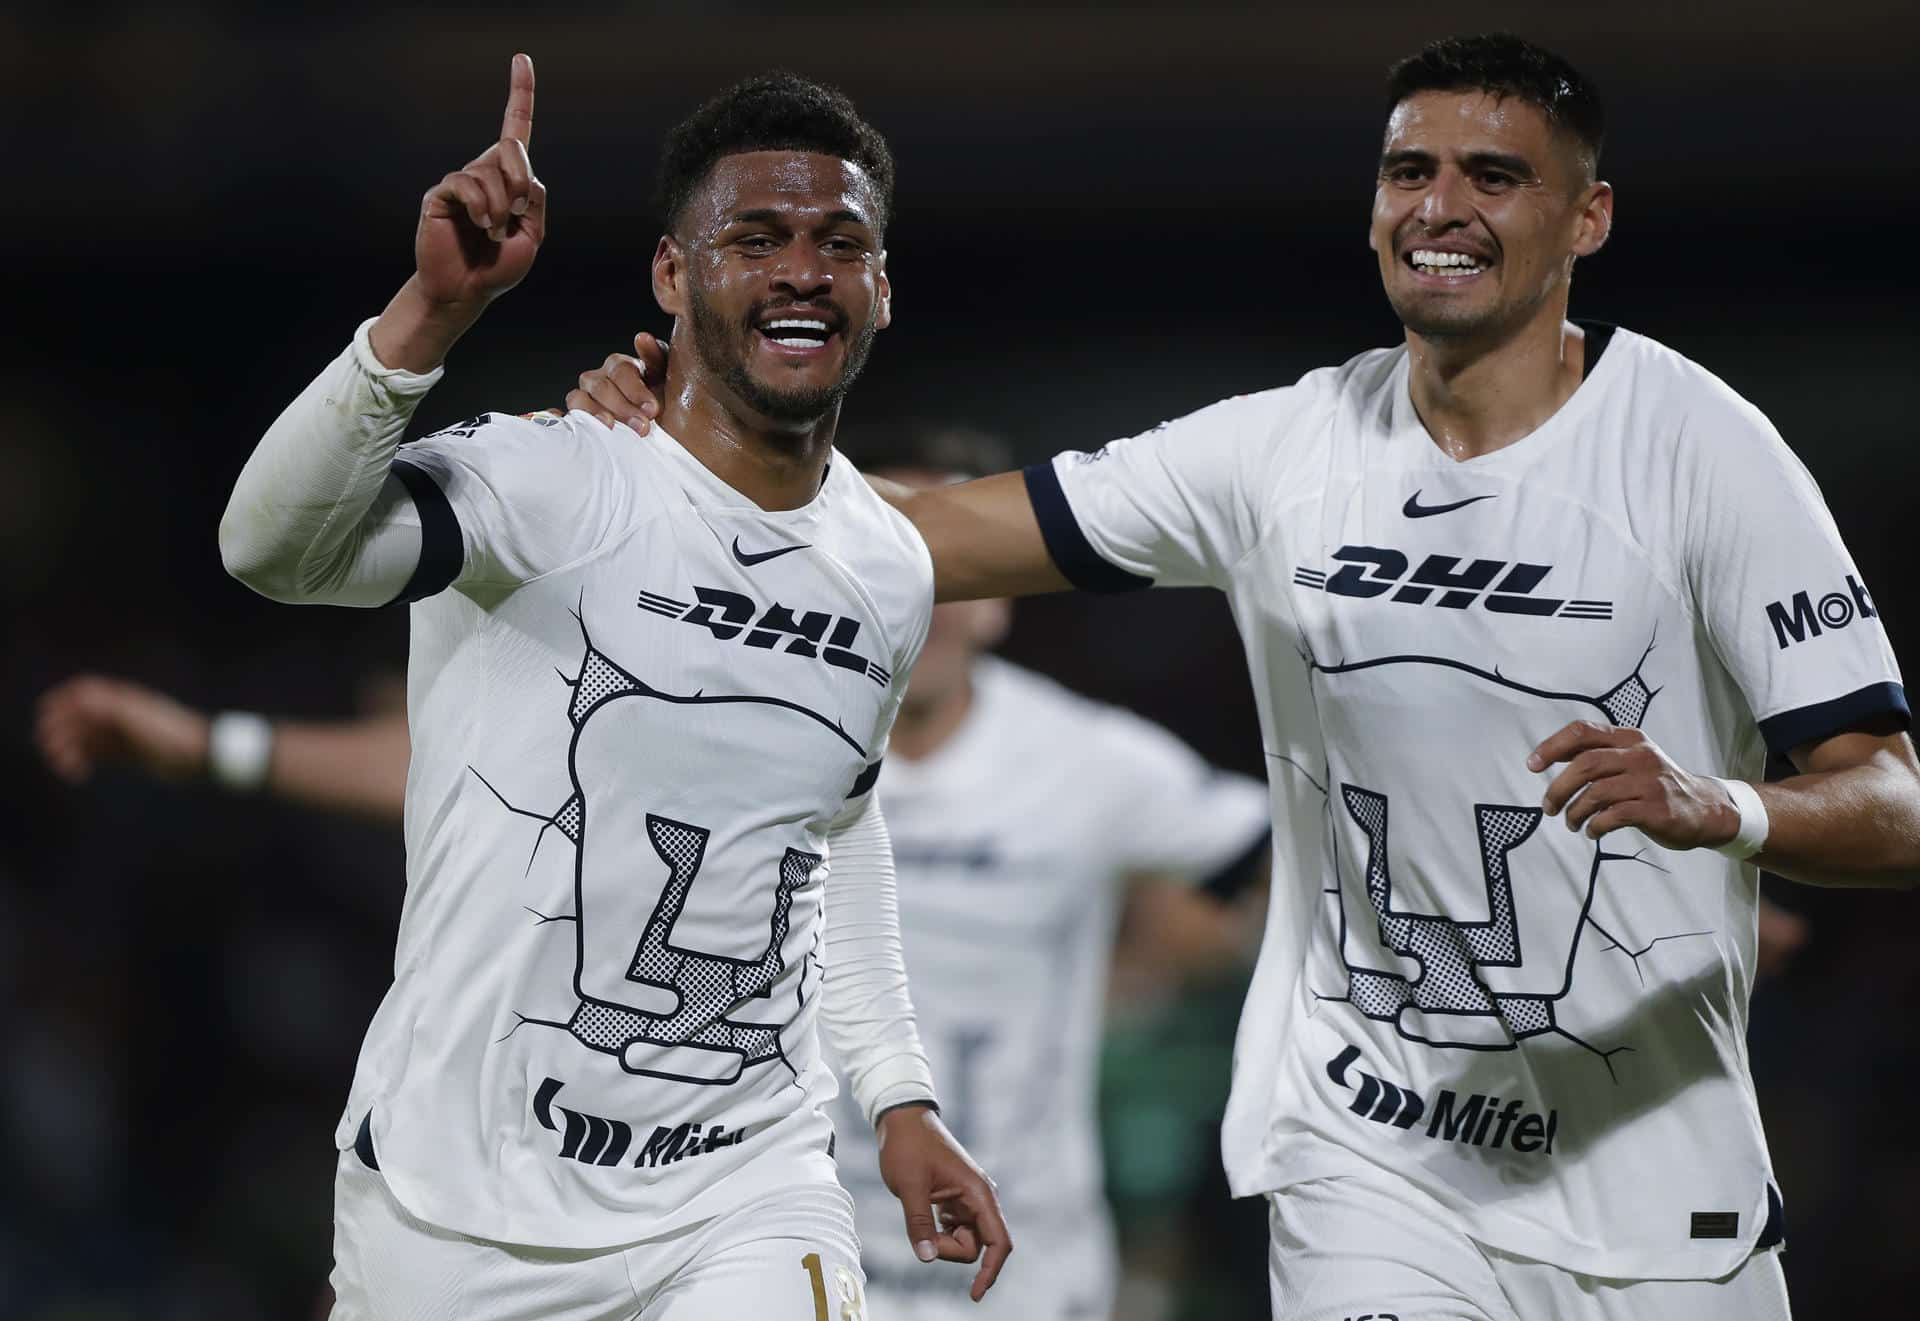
{"x": 1013, "y": 842}
{"x": 1545, "y": 1033}
{"x": 635, "y": 716}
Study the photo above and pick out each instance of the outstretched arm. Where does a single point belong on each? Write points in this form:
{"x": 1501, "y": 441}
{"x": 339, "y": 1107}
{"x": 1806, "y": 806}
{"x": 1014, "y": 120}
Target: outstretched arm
{"x": 318, "y": 513}
{"x": 356, "y": 766}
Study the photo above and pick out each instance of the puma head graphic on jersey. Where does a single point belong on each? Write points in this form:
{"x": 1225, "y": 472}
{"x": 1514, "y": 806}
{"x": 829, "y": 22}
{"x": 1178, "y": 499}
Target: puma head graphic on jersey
{"x": 1491, "y": 969}
{"x": 663, "y": 1008}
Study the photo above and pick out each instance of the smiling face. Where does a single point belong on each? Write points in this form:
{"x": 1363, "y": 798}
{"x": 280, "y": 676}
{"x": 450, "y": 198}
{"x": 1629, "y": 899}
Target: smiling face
{"x": 776, "y": 265}
{"x": 1479, "y": 212}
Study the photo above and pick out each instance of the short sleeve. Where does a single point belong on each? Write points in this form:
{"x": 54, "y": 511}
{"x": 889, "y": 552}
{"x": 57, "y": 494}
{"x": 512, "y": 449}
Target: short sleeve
{"x": 1782, "y": 600}
{"x": 504, "y": 500}
{"x": 1171, "y": 811}
{"x": 1170, "y": 507}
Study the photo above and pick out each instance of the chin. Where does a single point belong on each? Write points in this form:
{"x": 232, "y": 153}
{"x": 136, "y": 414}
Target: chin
{"x": 788, "y": 404}
{"x": 1425, "y": 319}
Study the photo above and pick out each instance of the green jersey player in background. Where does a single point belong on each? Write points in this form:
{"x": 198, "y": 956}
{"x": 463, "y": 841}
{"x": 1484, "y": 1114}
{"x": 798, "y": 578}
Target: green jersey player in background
{"x": 1525, "y": 602}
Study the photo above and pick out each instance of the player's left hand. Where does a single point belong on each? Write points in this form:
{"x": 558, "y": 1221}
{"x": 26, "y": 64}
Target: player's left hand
{"x": 928, "y": 1171}
{"x": 1618, "y": 777}
{"x": 626, "y": 387}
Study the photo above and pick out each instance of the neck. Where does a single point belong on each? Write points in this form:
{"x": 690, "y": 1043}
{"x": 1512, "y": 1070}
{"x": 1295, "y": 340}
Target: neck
{"x": 924, "y": 727}
{"x": 1476, "y": 396}
{"x": 775, "y": 464}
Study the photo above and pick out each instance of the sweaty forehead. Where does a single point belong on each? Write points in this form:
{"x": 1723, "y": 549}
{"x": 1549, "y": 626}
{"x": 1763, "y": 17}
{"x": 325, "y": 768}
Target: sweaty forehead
{"x": 796, "y": 182}
{"x": 1449, "y": 123}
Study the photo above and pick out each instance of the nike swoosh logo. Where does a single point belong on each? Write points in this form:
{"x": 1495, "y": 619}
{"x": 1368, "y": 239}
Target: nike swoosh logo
{"x": 1414, "y": 509}
{"x": 758, "y": 557}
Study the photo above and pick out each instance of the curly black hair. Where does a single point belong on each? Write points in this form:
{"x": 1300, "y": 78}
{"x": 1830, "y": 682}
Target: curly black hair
{"x": 1505, "y": 65}
{"x": 773, "y": 112}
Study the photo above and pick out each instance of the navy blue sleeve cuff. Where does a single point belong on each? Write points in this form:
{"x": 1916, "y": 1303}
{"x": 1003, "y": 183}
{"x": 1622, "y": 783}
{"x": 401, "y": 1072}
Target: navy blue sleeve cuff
{"x": 1239, "y": 874}
{"x": 1072, "y": 553}
{"x": 442, "y": 552}
{"x": 1810, "y": 724}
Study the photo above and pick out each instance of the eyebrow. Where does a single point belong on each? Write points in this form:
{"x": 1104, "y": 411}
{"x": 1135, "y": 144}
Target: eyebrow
{"x": 1498, "y": 160}
{"x": 766, "y": 215}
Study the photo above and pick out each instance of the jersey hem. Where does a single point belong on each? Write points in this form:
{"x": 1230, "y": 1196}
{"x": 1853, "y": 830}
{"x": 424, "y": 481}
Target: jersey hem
{"x": 1307, "y": 1156}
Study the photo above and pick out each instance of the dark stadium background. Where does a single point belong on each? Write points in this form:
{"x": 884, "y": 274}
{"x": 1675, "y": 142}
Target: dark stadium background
{"x": 1106, "y": 217}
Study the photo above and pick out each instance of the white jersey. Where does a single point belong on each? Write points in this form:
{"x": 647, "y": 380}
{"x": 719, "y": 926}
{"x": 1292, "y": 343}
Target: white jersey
{"x": 1013, "y": 842}
{"x": 634, "y": 723}
{"x": 1545, "y": 1034}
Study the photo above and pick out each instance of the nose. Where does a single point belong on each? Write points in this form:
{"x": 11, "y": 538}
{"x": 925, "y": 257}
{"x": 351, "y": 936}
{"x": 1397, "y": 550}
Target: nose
{"x": 802, "y": 272}
{"x": 1446, "y": 205}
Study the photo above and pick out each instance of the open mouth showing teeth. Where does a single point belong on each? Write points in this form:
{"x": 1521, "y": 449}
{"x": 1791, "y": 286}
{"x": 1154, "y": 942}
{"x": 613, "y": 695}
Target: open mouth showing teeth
{"x": 1429, "y": 262}
{"x": 797, "y": 332}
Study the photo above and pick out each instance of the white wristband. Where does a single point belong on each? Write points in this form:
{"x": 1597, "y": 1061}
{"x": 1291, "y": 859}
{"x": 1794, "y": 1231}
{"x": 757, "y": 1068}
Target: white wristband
{"x": 239, "y": 748}
{"x": 1751, "y": 837}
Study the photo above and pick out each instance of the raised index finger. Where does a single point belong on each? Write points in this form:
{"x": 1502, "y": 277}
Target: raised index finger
{"x": 517, "y": 125}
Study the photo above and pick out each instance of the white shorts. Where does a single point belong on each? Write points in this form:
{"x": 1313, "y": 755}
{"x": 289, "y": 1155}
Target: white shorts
{"x": 787, "y": 1256}
{"x": 1053, "y": 1275}
{"x": 1352, "y": 1248}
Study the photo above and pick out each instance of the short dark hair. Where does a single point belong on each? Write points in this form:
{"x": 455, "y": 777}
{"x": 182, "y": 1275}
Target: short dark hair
{"x": 773, "y": 112}
{"x": 957, "y": 450}
{"x": 1504, "y": 65}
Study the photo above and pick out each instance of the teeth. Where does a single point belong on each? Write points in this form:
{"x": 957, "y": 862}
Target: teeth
{"x": 795, "y": 342}
{"x": 1425, "y": 259}
{"x": 792, "y": 324}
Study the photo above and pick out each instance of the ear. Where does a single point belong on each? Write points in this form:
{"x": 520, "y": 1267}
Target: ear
{"x": 670, "y": 277}
{"x": 883, "y": 313}
{"x": 1596, "y": 219}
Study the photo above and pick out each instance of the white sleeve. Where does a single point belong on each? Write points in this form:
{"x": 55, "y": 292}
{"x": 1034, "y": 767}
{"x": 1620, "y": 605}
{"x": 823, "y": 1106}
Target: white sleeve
{"x": 332, "y": 508}
{"x": 1780, "y": 596}
{"x": 1170, "y": 507}
{"x": 506, "y": 499}
{"x": 1172, "y": 812}
{"x": 316, "y": 515}
{"x": 865, "y": 1009}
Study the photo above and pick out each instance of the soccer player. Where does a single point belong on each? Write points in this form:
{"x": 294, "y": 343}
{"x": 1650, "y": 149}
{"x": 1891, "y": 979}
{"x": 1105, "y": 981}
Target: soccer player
{"x": 650, "y": 690}
{"x": 1525, "y": 602}
{"x": 1023, "y": 817}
